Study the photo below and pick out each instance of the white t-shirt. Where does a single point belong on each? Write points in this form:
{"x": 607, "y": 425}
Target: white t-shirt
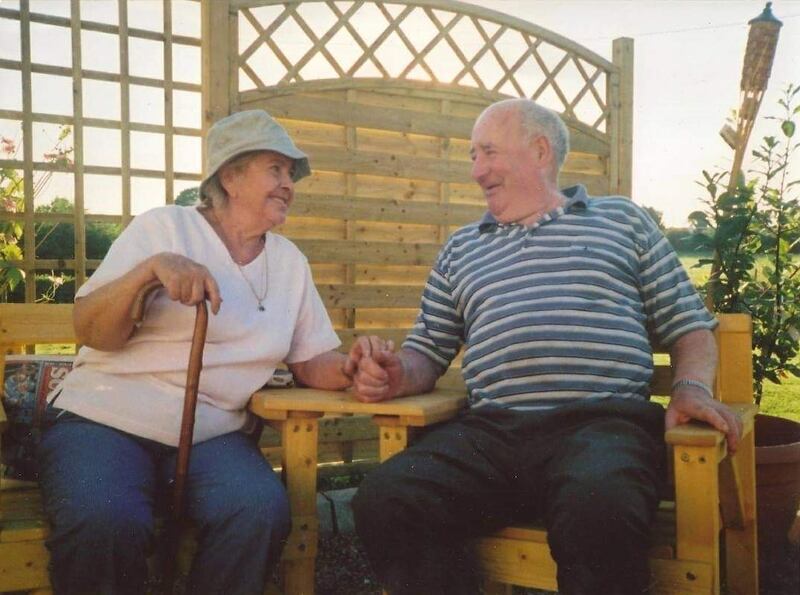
{"x": 140, "y": 388}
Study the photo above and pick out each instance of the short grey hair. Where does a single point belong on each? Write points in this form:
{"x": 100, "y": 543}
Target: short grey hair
{"x": 537, "y": 119}
{"x": 212, "y": 193}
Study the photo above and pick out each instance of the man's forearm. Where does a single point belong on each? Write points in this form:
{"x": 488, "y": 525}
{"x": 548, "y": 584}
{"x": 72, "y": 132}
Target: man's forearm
{"x": 420, "y": 373}
{"x": 694, "y": 358}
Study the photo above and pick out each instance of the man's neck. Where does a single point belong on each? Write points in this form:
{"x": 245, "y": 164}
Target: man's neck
{"x": 551, "y": 200}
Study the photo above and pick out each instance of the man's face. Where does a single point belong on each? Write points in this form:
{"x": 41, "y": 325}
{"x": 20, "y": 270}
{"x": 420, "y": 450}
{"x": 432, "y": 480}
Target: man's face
{"x": 506, "y": 165}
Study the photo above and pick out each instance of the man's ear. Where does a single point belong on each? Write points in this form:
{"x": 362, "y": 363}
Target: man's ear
{"x": 542, "y": 150}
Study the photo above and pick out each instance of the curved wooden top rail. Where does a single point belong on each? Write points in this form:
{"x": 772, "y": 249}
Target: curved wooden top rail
{"x": 471, "y": 10}
{"x": 287, "y": 48}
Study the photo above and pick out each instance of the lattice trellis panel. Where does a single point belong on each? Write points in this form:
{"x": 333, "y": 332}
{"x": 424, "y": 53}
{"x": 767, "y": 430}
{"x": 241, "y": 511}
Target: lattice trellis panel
{"x": 122, "y": 81}
{"x": 284, "y": 43}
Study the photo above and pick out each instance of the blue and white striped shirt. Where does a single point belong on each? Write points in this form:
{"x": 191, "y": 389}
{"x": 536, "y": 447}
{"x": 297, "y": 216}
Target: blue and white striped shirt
{"x": 560, "y": 310}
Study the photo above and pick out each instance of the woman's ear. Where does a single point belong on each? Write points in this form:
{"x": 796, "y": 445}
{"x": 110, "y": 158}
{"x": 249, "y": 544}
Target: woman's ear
{"x": 228, "y": 179}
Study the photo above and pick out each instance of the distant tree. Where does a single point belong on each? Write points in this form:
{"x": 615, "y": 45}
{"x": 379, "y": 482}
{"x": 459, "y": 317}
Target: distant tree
{"x": 656, "y": 216}
{"x": 56, "y": 240}
{"x": 188, "y": 197}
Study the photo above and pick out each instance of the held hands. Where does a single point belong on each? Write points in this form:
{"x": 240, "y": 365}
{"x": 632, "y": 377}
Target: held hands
{"x": 375, "y": 369}
{"x": 688, "y": 403}
{"x": 185, "y": 280}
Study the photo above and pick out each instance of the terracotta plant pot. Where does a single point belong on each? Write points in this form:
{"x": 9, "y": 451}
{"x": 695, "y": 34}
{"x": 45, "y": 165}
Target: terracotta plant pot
{"x": 777, "y": 475}
{"x": 778, "y": 495}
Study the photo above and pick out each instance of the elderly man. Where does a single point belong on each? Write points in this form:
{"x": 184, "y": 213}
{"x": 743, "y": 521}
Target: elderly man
{"x": 553, "y": 295}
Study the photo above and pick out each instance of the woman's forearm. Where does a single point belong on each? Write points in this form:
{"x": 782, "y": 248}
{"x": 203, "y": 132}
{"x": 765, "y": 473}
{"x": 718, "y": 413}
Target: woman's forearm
{"x": 102, "y": 318}
{"x": 325, "y": 371}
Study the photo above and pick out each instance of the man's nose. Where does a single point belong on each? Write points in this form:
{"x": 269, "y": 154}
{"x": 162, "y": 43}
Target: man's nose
{"x": 478, "y": 169}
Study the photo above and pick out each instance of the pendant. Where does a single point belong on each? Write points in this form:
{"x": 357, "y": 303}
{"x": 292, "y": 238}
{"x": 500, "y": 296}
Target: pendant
{"x": 261, "y": 307}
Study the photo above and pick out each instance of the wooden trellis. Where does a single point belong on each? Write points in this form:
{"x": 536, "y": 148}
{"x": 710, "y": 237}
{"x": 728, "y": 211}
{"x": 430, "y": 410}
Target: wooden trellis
{"x": 33, "y": 166}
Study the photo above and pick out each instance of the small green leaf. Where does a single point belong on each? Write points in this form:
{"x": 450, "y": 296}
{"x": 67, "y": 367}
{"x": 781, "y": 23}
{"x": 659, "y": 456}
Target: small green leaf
{"x": 788, "y": 128}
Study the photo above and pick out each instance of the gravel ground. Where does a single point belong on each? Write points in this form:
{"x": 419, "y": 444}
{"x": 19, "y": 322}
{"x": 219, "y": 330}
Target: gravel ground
{"x": 342, "y": 569}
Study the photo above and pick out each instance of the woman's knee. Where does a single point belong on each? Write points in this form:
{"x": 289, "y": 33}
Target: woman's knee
{"x": 107, "y": 522}
{"x": 258, "y": 509}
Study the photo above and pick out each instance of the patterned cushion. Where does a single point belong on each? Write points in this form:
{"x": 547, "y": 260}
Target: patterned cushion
{"x": 28, "y": 380}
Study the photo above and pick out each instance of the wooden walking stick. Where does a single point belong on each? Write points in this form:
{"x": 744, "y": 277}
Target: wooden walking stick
{"x": 187, "y": 430}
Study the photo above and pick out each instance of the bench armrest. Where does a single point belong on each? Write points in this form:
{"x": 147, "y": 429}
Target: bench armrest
{"x": 700, "y": 434}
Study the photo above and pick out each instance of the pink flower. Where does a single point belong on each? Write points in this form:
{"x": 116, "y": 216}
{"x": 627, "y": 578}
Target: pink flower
{"x": 8, "y": 145}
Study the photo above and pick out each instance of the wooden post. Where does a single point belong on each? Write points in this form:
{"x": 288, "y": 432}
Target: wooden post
{"x": 29, "y": 245}
{"x": 741, "y": 544}
{"x": 620, "y": 104}
{"x": 125, "y": 113}
{"x": 735, "y": 372}
{"x": 697, "y": 507}
{"x": 77, "y": 143}
{"x": 218, "y": 51}
{"x": 392, "y": 435}
{"x": 299, "y": 438}
{"x": 169, "y": 144}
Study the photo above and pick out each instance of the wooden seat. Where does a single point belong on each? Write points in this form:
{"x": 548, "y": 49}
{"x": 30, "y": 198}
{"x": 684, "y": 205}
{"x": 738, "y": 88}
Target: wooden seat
{"x": 704, "y": 538}
{"x": 23, "y": 526}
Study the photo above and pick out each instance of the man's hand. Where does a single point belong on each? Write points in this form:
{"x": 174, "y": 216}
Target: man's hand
{"x": 688, "y": 403}
{"x": 361, "y": 348}
{"x": 379, "y": 377}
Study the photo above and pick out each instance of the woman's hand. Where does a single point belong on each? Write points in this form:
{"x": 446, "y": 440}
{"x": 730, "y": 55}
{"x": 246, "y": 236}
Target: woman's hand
{"x": 185, "y": 280}
{"x": 334, "y": 371}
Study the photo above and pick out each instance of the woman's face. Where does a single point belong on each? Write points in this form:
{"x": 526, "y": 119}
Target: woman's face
{"x": 263, "y": 190}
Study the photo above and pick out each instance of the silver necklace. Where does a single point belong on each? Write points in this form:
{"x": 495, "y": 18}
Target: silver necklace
{"x": 259, "y": 297}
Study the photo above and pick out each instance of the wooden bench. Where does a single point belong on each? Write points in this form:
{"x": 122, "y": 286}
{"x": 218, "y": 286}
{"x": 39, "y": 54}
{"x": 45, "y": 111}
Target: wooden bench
{"x": 23, "y": 528}
{"x": 704, "y": 538}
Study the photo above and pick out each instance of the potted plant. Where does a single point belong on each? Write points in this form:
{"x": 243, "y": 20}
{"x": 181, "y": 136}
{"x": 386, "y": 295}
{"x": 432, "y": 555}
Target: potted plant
{"x": 753, "y": 231}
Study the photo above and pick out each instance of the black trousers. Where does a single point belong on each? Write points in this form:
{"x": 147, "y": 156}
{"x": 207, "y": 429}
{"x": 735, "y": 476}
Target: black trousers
{"x": 590, "y": 470}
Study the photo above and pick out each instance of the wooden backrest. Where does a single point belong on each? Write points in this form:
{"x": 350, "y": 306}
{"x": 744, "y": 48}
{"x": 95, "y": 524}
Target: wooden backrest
{"x": 33, "y": 324}
{"x": 30, "y": 324}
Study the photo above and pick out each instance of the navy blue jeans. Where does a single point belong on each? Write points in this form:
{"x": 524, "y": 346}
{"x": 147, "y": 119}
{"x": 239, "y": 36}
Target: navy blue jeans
{"x": 591, "y": 471}
{"x": 101, "y": 488}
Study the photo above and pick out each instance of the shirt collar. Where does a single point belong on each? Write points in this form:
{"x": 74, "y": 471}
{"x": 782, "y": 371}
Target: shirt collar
{"x": 577, "y": 200}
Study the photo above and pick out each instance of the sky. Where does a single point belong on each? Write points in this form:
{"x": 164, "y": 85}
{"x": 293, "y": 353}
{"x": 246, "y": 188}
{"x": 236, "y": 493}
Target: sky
{"x": 687, "y": 65}
{"x": 688, "y": 58}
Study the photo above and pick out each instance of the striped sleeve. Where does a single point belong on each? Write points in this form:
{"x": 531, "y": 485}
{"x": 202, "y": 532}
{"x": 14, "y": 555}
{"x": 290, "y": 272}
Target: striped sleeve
{"x": 671, "y": 303}
{"x": 439, "y": 328}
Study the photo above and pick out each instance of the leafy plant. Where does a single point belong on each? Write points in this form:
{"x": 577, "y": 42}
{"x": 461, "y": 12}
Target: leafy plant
{"x": 754, "y": 233}
{"x": 12, "y": 200}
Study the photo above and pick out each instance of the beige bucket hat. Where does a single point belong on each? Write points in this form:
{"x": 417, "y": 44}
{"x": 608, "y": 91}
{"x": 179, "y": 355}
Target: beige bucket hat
{"x": 251, "y": 130}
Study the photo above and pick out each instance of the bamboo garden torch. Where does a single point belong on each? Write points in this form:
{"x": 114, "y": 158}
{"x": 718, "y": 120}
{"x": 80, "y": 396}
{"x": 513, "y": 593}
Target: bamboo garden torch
{"x": 759, "y": 55}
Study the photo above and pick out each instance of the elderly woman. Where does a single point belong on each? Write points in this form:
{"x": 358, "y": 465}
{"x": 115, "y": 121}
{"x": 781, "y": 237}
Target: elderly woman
{"x": 106, "y": 460}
